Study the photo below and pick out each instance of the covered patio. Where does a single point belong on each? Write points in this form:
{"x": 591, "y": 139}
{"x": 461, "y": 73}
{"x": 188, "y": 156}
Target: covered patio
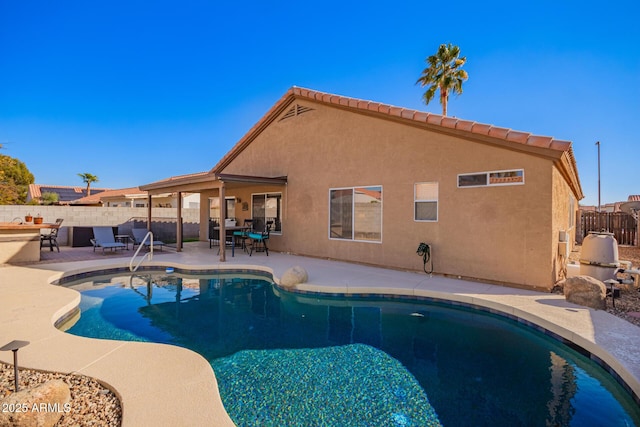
{"x": 211, "y": 185}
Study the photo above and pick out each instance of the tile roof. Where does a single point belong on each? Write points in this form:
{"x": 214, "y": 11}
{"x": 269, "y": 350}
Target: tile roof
{"x": 559, "y": 149}
{"x": 121, "y": 192}
{"x": 520, "y": 137}
{"x": 634, "y": 198}
{"x": 65, "y": 193}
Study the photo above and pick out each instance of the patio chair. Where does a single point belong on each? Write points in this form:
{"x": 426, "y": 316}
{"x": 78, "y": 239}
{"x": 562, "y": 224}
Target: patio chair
{"x": 104, "y": 238}
{"x": 214, "y": 235}
{"x": 259, "y": 240}
{"x": 52, "y": 236}
{"x": 243, "y": 235}
{"x": 138, "y": 236}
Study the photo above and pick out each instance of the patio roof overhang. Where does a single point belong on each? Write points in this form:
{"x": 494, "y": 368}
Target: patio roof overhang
{"x": 234, "y": 181}
{"x": 195, "y": 183}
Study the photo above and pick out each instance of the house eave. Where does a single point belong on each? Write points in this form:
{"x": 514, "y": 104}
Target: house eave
{"x": 195, "y": 183}
{"x": 207, "y": 182}
{"x": 248, "y": 179}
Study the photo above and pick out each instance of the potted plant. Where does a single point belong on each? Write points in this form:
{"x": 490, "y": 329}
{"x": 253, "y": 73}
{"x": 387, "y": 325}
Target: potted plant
{"x": 28, "y": 218}
{"x": 37, "y": 219}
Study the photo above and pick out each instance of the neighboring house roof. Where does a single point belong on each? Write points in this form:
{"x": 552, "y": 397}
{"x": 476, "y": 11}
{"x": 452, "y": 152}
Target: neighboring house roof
{"x": 613, "y": 207}
{"x": 559, "y": 150}
{"x": 369, "y": 193}
{"x": 65, "y": 194}
{"x": 588, "y": 208}
{"x": 119, "y": 194}
{"x": 129, "y": 193}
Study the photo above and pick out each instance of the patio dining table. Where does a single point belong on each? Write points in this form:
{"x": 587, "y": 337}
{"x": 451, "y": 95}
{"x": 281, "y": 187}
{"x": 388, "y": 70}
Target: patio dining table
{"x": 229, "y": 233}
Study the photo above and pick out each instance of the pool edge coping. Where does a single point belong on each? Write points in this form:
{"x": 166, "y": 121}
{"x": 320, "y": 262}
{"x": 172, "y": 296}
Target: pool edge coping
{"x": 564, "y": 336}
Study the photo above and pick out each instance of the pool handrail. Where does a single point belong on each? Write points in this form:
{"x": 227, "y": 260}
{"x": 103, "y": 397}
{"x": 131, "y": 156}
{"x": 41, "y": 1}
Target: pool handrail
{"x": 148, "y": 236}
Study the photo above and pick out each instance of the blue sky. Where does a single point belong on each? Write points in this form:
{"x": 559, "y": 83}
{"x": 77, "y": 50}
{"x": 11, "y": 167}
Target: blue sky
{"x": 136, "y": 91}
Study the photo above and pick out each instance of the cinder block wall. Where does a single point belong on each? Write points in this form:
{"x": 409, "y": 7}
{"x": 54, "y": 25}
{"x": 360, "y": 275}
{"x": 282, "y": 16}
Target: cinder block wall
{"x": 163, "y": 223}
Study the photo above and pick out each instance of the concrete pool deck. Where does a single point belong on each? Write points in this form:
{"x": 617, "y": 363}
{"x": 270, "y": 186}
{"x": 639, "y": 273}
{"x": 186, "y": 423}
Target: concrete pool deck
{"x": 165, "y": 385}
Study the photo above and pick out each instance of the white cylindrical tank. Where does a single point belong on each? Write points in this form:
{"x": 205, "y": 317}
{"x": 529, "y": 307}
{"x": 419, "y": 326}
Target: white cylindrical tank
{"x": 599, "y": 256}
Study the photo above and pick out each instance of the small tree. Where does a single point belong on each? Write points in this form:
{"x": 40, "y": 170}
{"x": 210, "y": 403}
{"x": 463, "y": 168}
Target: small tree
{"x": 88, "y": 178}
{"x": 49, "y": 198}
{"x": 14, "y": 181}
{"x": 444, "y": 73}
{"x": 9, "y": 194}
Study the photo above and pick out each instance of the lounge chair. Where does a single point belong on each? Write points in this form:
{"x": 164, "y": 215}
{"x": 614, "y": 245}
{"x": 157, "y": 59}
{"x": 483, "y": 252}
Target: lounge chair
{"x": 138, "y": 236}
{"x": 104, "y": 238}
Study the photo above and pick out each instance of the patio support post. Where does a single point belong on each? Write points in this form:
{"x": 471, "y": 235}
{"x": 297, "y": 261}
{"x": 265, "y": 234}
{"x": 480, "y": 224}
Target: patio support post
{"x": 179, "y": 224}
{"x": 223, "y": 229}
{"x": 204, "y": 216}
{"x": 149, "y": 212}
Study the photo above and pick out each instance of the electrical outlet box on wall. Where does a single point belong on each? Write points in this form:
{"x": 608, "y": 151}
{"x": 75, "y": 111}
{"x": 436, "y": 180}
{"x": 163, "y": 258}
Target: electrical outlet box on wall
{"x": 563, "y": 249}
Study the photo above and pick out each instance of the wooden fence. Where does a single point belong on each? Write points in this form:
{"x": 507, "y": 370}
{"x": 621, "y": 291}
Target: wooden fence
{"x": 623, "y": 226}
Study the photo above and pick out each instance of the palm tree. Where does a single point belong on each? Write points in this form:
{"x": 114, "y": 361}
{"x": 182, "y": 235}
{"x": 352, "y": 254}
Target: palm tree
{"x": 88, "y": 178}
{"x": 444, "y": 73}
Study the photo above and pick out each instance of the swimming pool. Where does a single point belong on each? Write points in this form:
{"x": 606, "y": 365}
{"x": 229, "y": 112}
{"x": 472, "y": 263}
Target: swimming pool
{"x": 282, "y": 358}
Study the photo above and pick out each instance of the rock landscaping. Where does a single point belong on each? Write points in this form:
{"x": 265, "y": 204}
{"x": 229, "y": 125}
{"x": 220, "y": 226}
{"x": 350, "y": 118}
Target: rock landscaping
{"x": 90, "y": 404}
{"x": 627, "y": 305}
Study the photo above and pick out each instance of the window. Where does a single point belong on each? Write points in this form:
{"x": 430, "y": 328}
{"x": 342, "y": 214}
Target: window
{"x": 425, "y": 197}
{"x": 230, "y": 207}
{"x": 214, "y": 208}
{"x": 472, "y": 180}
{"x": 356, "y": 213}
{"x": 267, "y": 207}
{"x": 484, "y": 179}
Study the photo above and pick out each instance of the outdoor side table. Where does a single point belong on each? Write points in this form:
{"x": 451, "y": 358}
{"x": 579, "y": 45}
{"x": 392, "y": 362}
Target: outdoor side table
{"x": 123, "y": 238}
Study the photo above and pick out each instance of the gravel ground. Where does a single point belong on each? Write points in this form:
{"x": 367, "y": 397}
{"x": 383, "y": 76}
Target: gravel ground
{"x": 628, "y": 305}
{"x": 91, "y": 403}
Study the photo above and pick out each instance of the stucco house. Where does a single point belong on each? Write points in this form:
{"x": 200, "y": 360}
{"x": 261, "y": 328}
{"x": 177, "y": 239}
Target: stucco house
{"x": 66, "y": 194}
{"x": 366, "y": 182}
{"x": 135, "y": 198}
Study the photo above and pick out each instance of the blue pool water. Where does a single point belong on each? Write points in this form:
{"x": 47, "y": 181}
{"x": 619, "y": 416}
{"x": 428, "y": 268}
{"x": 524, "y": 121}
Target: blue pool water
{"x": 288, "y": 359}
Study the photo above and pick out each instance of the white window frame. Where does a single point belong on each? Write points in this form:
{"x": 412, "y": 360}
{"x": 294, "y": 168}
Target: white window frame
{"x": 488, "y": 175}
{"x": 416, "y": 200}
{"x": 353, "y": 216}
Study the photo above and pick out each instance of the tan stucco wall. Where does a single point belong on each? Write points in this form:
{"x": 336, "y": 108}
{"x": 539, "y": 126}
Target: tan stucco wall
{"x": 500, "y": 234}
{"x": 562, "y": 221}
